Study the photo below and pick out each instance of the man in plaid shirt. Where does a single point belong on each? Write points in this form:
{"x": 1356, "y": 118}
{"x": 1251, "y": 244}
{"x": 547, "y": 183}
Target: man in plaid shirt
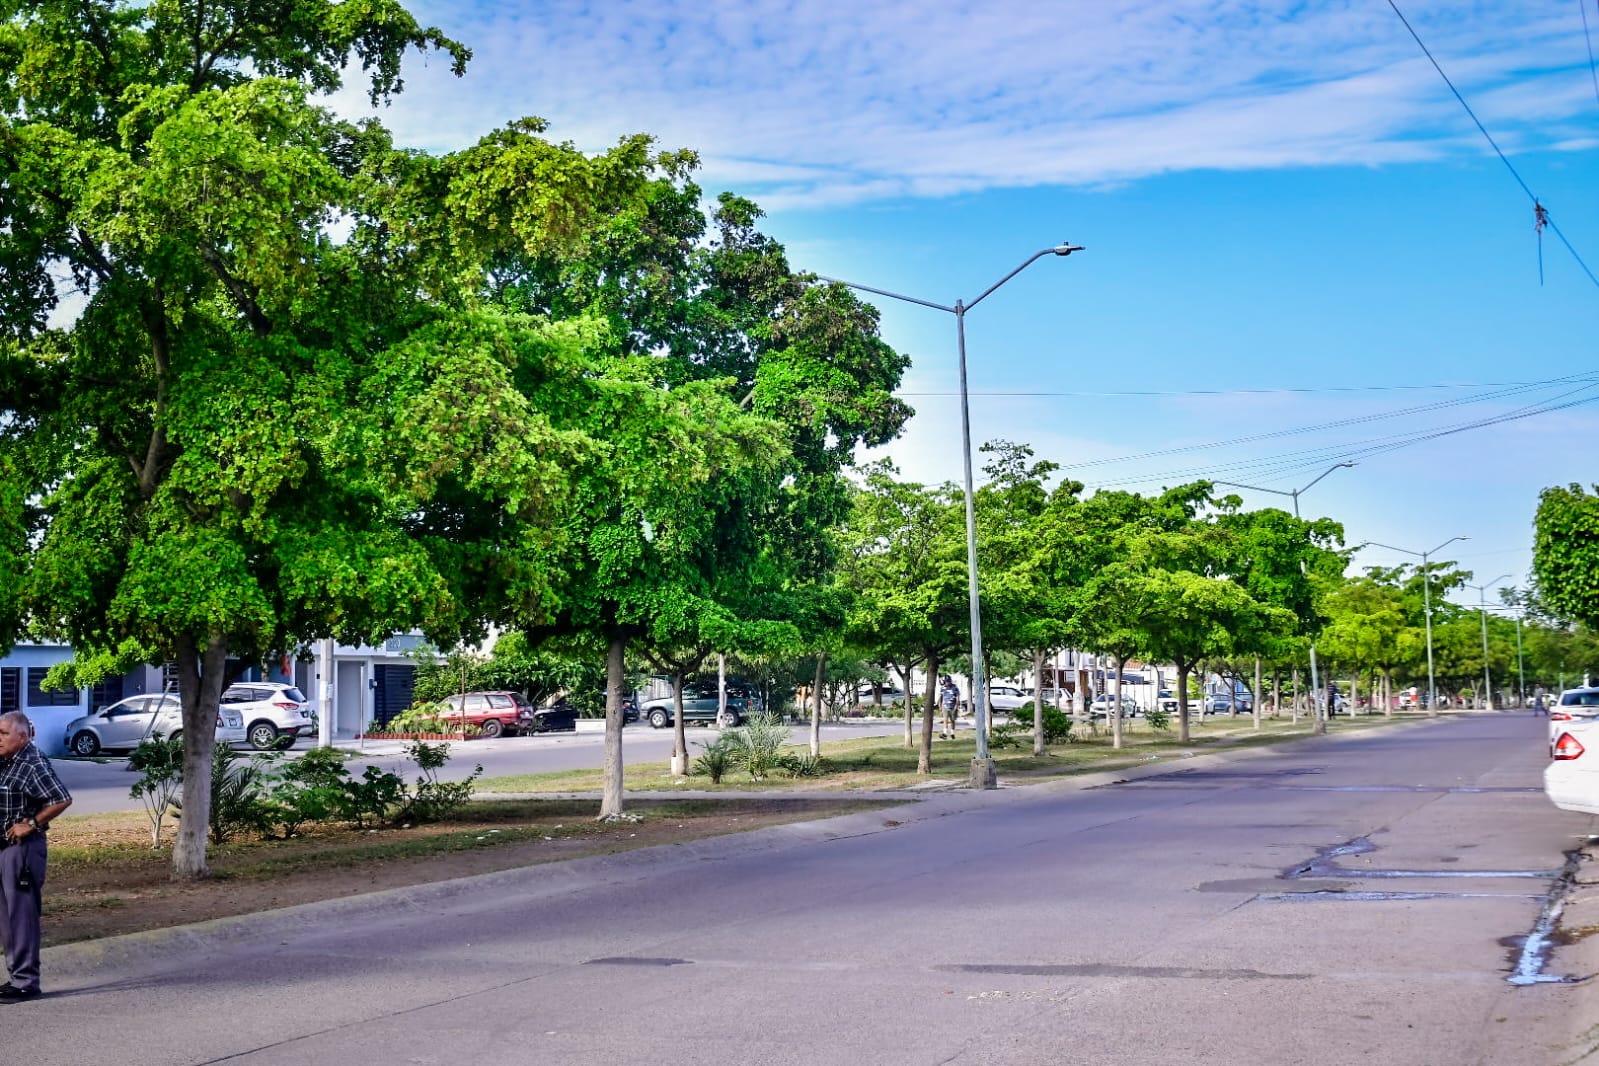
{"x": 30, "y": 797}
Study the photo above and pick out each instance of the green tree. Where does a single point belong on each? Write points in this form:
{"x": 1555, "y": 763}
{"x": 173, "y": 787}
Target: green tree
{"x": 1565, "y": 554}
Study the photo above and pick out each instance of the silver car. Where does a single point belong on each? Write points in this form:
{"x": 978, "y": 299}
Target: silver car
{"x": 124, "y": 724}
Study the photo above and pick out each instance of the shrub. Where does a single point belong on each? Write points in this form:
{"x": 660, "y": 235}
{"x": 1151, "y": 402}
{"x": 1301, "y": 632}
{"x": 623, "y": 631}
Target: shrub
{"x": 312, "y": 788}
{"x": 804, "y": 764}
{"x": 1057, "y": 727}
{"x": 1158, "y": 718}
{"x": 159, "y": 764}
{"x": 427, "y": 718}
{"x": 433, "y": 800}
{"x": 238, "y": 795}
{"x": 1005, "y": 736}
{"x": 757, "y": 746}
{"x": 715, "y": 760}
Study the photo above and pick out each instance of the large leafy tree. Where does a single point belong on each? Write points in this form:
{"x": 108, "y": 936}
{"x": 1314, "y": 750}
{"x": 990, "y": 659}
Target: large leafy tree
{"x": 288, "y": 406}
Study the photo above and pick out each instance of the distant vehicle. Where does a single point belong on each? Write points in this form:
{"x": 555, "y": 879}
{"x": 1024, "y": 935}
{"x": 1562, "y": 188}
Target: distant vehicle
{"x": 1009, "y": 697}
{"x": 1571, "y": 780}
{"x": 700, "y": 703}
{"x": 275, "y": 714}
{"x": 865, "y": 696}
{"x": 506, "y": 713}
{"x": 1101, "y": 705}
{"x": 1167, "y": 702}
{"x": 124, "y": 724}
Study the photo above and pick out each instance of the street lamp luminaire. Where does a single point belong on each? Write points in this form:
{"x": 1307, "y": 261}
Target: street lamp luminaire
{"x": 1426, "y": 597}
{"x": 1318, "y": 719}
{"x": 982, "y": 763}
{"x": 1482, "y": 603}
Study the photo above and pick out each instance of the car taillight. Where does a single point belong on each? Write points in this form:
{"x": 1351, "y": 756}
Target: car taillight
{"x": 1568, "y": 747}
{"x": 1559, "y": 716}
{"x": 219, "y": 721}
{"x": 287, "y": 706}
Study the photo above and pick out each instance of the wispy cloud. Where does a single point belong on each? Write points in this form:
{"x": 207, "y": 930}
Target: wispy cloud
{"x": 827, "y": 102}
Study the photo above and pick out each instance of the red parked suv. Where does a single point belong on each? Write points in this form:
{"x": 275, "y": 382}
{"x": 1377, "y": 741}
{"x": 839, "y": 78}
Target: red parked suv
{"x": 507, "y": 713}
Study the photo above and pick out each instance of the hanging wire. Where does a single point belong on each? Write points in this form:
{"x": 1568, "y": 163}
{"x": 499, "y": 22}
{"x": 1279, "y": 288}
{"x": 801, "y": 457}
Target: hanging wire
{"x": 1491, "y": 142}
{"x": 1593, "y": 73}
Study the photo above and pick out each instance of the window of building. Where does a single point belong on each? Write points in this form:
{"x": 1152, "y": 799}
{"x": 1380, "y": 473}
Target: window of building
{"x": 43, "y": 697}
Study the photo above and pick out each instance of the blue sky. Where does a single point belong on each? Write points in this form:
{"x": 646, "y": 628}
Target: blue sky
{"x": 1274, "y": 196}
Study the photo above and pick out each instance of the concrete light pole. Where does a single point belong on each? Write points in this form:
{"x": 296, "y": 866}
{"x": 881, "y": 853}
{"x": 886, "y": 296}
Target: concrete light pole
{"x": 1426, "y": 597}
{"x": 1318, "y": 719}
{"x": 982, "y": 764}
{"x": 1482, "y": 603}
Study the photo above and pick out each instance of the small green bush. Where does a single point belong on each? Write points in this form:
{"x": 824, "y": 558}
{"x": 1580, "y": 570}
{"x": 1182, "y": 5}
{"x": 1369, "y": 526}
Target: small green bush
{"x": 159, "y": 764}
{"x": 433, "y": 800}
{"x": 714, "y": 761}
{"x": 1057, "y": 726}
{"x": 757, "y": 746}
{"x": 804, "y": 764}
{"x": 1005, "y": 736}
{"x": 1158, "y": 718}
{"x": 238, "y": 795}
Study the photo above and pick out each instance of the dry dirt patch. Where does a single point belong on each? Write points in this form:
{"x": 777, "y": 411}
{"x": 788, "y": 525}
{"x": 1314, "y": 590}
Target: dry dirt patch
{"x": 104, "y": 880}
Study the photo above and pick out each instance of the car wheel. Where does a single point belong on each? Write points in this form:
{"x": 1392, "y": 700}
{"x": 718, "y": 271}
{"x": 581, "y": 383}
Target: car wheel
{"x": 728, "y": 720}
{"x": 658, "y": 718}
{"x": 176, "y": 737}
{"x": 491, "y": 728}
{"x": 263, "y": 736}
{"x": 86, "y": 744}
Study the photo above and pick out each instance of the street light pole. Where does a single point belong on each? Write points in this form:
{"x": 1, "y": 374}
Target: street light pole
{"x": 1318, "y": 720}
{"x": 1426, "y": 599}
{"x": 982, "y": 764}
{"x": 1482, "y": 603}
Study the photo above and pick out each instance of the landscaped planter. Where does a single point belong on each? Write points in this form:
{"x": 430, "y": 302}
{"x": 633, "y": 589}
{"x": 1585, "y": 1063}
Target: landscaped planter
{"x": 421, "y": 736}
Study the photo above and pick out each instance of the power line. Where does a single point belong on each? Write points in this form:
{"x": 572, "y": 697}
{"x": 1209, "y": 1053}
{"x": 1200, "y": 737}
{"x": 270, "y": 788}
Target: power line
{"x": 1544, "y": 215}
{"x": 1265, "y": 391}
{"x": 1337, "y": 424}
{"x": 1273, "y": 467}
{"x": 1593, "y": 73}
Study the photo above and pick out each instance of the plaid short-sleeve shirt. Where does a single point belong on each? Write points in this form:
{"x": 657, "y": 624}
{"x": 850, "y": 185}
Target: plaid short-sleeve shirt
{"x": 28, "y": 784}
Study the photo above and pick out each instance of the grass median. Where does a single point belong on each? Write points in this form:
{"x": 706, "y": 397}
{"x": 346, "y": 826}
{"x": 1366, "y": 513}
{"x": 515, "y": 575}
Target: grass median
{"x": 884, "y": 763}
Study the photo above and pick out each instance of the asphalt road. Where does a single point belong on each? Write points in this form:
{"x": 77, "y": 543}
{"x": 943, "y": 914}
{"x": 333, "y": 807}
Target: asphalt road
{"x": 1347, "y": 900}
{"x": 99, "y": 786}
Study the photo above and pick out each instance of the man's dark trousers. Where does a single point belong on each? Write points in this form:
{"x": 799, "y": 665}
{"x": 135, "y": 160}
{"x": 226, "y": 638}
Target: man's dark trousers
{"x": 20, "y": 908}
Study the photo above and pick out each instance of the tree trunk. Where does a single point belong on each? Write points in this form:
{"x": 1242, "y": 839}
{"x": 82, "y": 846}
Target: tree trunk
{"x": 1354, "y": 692}
{"x": 679, "y": 727}
{"x": 1038, "y": 701}
{"x": 615, "y": 677}
{"x": 816, "y": 712}
{"x": 1387, "y": 692}
{"x": 1116, "y": 704}
{"x": 1254, "y": 704}
{"x": 924, "y": 757}
{"x": 202, "y": 675}
{"x": 1276, "y": 691}
{"x": 721, "y": 685}
{"x": 1295, "y": 704}
{"x": 1182, "y": 702}
{"x": 905, "y": 687}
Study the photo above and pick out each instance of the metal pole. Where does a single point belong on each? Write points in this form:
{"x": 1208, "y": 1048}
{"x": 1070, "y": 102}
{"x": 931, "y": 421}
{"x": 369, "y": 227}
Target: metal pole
{"x": 1318, "y": 719}
{"x": 1426, "y": 597}
{"x": 982, "y": 764}
{"x": 1521, "y": 672}
{"x": 974, "y": 604}
{"x": 1487, "y": 682}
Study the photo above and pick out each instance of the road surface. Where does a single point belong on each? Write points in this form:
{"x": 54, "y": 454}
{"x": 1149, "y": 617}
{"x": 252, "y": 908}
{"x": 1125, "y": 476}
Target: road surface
{"x": 1347, "y": 900}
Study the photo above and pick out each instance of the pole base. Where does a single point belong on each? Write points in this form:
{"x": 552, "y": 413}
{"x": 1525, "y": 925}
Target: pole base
{"x": 983, "y": 774}
{"x": 679, "y": 765}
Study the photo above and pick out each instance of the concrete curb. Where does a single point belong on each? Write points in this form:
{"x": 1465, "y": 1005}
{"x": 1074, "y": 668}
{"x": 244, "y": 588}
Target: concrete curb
{"x": 544, "y": 880}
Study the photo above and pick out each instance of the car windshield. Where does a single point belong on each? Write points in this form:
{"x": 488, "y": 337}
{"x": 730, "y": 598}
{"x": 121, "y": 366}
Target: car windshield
{"x": 1580, "y": 699}
{"x": 294, "y": 694}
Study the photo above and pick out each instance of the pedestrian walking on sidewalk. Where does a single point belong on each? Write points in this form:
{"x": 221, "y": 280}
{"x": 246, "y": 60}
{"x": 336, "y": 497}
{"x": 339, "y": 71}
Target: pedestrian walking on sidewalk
{"x": 949, "y": 702}
{"x": 31, "y": 796}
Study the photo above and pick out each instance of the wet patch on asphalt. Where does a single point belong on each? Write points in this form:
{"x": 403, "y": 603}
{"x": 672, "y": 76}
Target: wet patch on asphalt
{"x": 634, "y": 960}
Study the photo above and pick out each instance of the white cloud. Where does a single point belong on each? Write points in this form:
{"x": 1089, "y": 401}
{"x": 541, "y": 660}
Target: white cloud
{"x": 824, "y": 103}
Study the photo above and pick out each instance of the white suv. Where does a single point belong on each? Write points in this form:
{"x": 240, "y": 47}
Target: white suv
{"x": 274, "y": 714}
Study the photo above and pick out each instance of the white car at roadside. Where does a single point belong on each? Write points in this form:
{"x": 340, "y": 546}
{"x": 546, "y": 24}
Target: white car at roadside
{"x": 1571, "y": 780}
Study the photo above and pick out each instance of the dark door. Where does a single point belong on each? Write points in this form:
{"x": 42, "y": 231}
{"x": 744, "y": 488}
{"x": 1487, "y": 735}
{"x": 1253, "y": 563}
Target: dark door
{"x": 395, "y": 685}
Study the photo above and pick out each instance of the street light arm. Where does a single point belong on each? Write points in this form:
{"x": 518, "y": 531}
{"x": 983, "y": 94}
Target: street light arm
{"x": 891, "y": 295}
{"x": 1060, "y": 249}
{"x": 1324, "y": 473}
{"x": 1442, "y": 546}
{"x": 1251, "y": 488}
{"x": 1390, "y": 547}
